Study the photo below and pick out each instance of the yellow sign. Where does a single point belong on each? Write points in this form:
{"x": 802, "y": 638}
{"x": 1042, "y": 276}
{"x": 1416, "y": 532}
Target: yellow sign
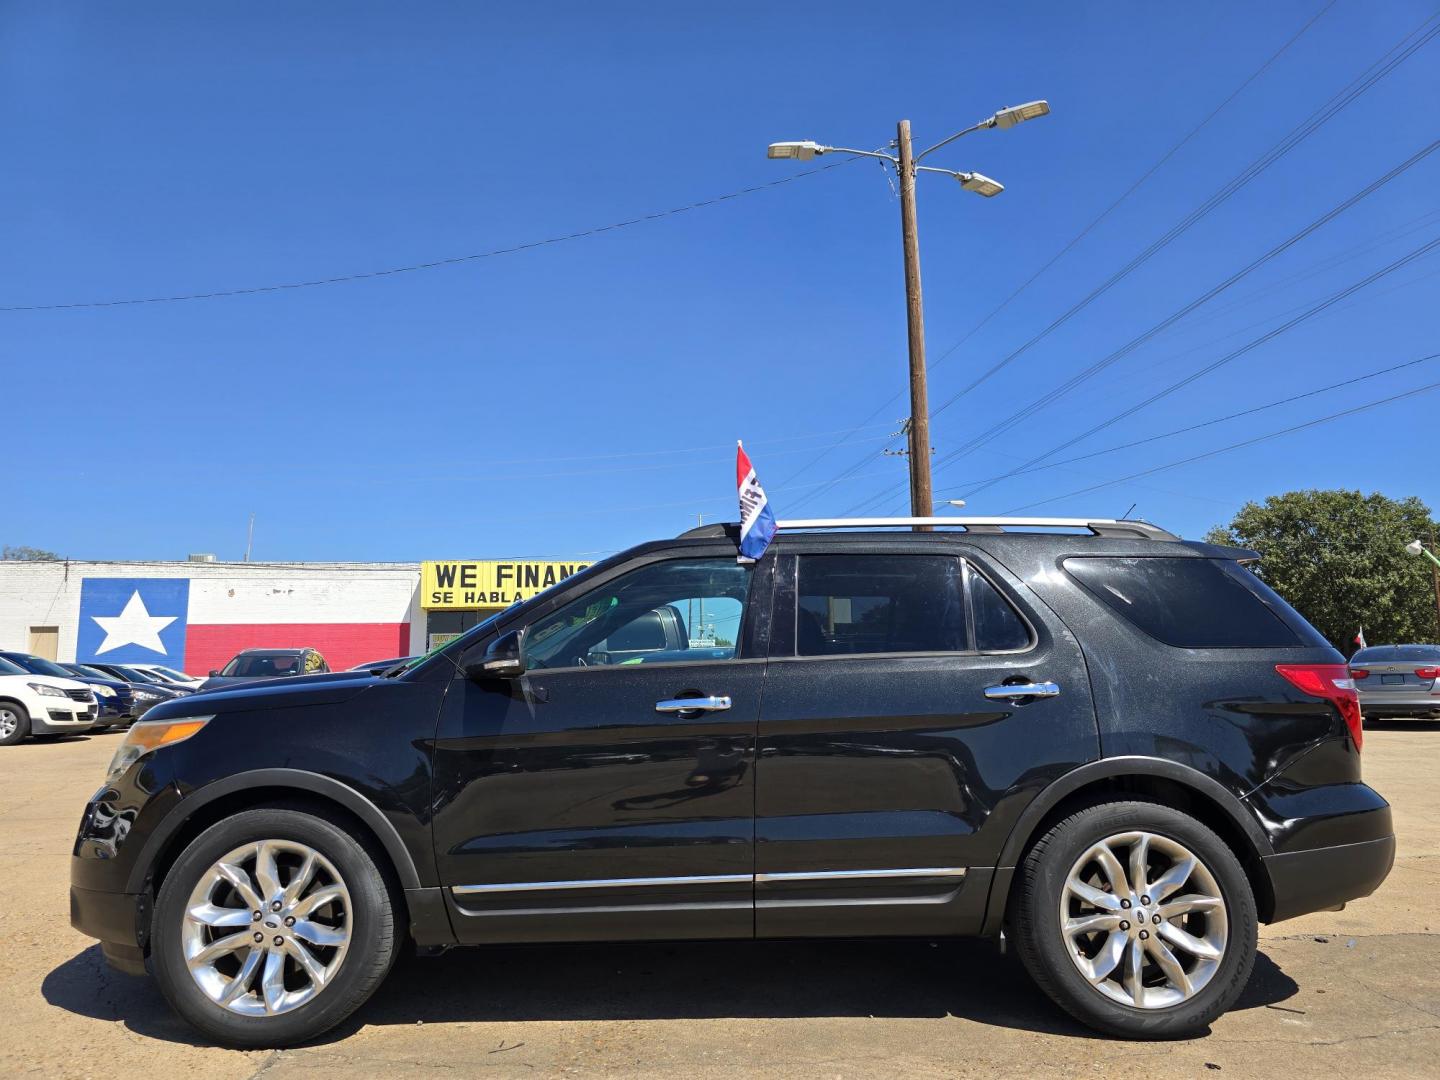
{"x": 487, "y": 583}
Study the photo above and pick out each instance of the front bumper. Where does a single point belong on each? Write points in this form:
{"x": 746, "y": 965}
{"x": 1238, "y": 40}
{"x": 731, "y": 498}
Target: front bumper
{"x": 1324, "y": 878}
{"x": 120, "y": 920}
{"x": 62, "y": 717}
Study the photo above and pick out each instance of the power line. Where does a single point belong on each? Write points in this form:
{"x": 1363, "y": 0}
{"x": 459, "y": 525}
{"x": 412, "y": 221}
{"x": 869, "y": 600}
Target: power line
{"x": 1214, "y": 420}
{"x": 433, "y": 264}
{"x": 1232, "y": 446}
{"x": 1048, "y": 398}
{"x": 1087, "y": 229}
{"x": 1299, "y": 134}
{"x": 1289, "y": 324}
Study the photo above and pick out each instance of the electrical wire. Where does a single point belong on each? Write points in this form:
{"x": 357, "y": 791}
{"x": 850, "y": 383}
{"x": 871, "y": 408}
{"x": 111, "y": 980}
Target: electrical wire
{"x": 1232, "y": 446}
{"x": 1090, "y": 227}
{"x": 1053, "y": 395}
{"x": 433, "y": 264}
{"x": 1212, "y": 421}
{"x": 1334, "y": 298}
{"x": 1299, "y": 134}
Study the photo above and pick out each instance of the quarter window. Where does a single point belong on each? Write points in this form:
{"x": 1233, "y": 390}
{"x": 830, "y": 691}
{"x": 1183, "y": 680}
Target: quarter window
{"x": 664, "y": 613}
{"x": 998, "y": 627}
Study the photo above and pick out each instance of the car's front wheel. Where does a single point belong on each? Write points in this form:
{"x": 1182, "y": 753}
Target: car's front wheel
{"x": 14, "y": 723}
{"x": 1137, "y": 920}
{"x": 272, "y": 927}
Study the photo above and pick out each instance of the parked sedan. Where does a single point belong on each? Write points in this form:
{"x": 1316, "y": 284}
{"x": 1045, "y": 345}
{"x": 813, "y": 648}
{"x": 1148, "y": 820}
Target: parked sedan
{"x": 33, "y": 704}
{"x": 1398, "y": 680}
{"x": 142, "y": 679}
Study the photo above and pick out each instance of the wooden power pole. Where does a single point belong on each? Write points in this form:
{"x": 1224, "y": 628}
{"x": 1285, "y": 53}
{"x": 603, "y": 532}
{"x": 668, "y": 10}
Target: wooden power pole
{"x": 922, "y": 499}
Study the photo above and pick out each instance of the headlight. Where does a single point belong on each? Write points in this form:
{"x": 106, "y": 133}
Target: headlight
{"x": 47, "y": 691}
{"x": 148, "y": 735}
{"x": 147, "y": 695}
{"x": 102, "y": 691}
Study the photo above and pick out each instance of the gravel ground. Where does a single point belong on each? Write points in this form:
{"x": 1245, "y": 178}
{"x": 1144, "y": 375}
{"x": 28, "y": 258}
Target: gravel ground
{"x": 1352, "y": 993}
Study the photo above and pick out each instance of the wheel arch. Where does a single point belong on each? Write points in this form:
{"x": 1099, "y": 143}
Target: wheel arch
{"x": 1153, "y": 779}
{"x": 263, "y": 787}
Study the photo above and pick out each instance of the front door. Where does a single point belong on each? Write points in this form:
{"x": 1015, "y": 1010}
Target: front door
{"x": 888, "y": 775}
{"x": 586, "y": 799}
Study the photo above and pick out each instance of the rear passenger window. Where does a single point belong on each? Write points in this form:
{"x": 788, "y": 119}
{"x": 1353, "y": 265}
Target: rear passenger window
{"x": 998, "y": 628}
{"x": 1188, "y": 603}
{"x": 880, "y": 604}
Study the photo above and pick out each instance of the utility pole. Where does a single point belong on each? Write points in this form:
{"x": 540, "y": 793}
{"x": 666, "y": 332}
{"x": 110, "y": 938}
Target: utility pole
{"x": 906, "y": 164}
{"x": 922, "y": 500}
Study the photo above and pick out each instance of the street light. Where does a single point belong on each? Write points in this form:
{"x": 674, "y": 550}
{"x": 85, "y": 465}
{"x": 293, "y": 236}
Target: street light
{"x": 1415, "y": 547}
{"x": 906, "y": 164}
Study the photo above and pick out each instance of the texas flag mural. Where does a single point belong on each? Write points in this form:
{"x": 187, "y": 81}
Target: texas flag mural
{"x": 198, "y": 624}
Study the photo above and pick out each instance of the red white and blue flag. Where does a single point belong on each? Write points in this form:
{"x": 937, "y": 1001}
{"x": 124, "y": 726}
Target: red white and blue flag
{"x": 757, "y": 523}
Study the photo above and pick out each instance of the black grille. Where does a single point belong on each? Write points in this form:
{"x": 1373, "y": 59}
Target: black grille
{"x": 79, "y": 695}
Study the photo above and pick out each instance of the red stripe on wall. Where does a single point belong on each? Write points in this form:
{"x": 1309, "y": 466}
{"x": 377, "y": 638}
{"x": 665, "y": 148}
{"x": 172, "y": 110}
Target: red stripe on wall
{"x": 209, "y": 648}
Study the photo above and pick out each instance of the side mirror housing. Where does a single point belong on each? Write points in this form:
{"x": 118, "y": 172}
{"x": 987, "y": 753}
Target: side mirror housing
{"x": 214, "y": 672}
{"x": 503, "y": 659}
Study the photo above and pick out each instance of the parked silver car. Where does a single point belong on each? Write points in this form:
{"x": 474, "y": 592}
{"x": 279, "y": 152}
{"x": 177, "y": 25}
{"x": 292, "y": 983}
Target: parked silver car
{"x": 1398, "y": 680}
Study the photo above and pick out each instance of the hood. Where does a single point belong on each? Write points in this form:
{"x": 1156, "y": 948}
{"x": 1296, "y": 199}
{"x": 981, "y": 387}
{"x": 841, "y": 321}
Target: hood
{"x": 49, "y": 680}
{"x": 113, "y": 684}
{"x": 286, "y": 692}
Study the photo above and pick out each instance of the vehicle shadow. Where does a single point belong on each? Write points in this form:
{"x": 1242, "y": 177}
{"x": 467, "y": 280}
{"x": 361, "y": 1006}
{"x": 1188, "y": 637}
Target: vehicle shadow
{"x": 670, "y": 981}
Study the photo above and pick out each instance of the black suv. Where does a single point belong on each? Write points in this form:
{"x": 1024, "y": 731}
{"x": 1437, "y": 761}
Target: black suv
{"x": 1121, "y": 750}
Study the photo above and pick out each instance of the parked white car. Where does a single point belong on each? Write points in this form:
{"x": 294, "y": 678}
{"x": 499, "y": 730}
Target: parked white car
{"x": 170, "y": 675}
{"x": 41, "y": 705}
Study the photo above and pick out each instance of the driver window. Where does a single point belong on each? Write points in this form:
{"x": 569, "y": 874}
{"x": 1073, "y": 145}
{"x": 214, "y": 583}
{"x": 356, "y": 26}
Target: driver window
{"x": 664, "y": 613}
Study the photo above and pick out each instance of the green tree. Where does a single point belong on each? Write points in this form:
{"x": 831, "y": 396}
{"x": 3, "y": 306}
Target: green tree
{"x": 21, "y": 553}
{"x": 1339, "y": 557}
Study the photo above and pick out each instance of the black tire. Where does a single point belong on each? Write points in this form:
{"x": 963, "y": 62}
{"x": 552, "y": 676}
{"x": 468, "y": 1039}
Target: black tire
{"x": 21, "y": 716}
{"x": 368, "y": 959}
{"x": 1035, "y": 921}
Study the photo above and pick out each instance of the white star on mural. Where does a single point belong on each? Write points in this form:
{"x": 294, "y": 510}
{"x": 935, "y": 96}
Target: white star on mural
{"x": 133, "y": 626}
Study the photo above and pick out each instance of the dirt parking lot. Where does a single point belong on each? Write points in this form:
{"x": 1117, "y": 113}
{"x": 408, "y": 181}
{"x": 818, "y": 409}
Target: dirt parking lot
{"x": 1352, "y": 993}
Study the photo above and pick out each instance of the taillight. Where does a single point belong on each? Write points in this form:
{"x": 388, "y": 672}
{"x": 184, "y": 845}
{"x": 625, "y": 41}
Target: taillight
{"x": 1427, "y": 672}
{"x": 1333, "y": 683}
{"x": 1359, "y": 673}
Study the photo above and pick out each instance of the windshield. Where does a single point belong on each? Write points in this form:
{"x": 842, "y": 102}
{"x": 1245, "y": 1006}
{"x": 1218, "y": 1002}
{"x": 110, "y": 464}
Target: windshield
{"x": 171, "y": 673}
{"x": 7, "y": 668}
{"x": 130, "y": 674}
{"x": 88, "y": 672}
{"x": 262, "y": 665}
{"x": 40, "y": 666}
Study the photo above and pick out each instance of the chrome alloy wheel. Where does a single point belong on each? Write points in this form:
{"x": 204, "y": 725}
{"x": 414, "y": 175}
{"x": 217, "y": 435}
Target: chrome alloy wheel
{"x": 1143, "y": 919}
{"x": 267, "y": 927}
{"x": 9, "y": 721}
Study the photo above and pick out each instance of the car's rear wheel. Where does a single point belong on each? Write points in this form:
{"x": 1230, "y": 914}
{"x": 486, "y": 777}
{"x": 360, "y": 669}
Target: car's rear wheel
{"x": 272, "y": 927}
{"x": 14, "y": 722}
{"x": 1136, "y": 919}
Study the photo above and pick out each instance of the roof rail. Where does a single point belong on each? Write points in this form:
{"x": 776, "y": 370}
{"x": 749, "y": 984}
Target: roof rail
{"x": 1114, "y": 527}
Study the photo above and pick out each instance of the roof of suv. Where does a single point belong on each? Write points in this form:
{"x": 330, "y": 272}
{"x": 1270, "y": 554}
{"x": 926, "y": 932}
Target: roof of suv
{"x": 1042, "y": 526}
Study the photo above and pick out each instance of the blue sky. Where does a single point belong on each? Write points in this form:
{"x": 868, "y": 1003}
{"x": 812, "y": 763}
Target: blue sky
{"x": 586, "y": 395}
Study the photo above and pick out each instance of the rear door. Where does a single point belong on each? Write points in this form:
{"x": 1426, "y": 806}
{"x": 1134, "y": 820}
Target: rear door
{"x": 893, "y": 756}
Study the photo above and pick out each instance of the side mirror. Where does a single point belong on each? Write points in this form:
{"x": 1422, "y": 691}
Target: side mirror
{"x": 502, "y": 660}
{"x": 214, "y": 672}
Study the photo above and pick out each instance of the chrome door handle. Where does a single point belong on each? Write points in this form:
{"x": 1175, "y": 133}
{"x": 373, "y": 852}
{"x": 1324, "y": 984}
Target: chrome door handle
{"x": 693, "y": 704}
{"x": 1019, "y": 690}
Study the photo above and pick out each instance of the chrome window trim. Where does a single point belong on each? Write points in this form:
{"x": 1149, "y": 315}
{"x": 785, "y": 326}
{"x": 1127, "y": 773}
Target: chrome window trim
{"x": 601, "y": 883}
{"x": 710, "y": 879}
{"x": 842, "y": 875}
